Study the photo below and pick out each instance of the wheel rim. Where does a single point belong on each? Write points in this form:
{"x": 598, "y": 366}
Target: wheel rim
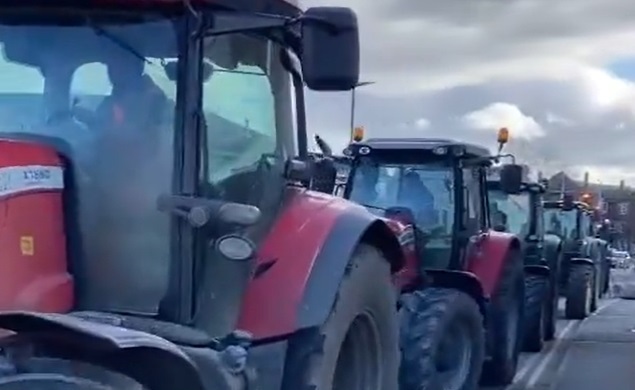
{"x": 453, "y": 357}
{"x": 359, "y": 365}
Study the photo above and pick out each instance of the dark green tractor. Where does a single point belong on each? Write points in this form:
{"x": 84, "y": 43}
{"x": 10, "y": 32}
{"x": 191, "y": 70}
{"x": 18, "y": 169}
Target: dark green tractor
{"x": 585, "y": 268}
{"x": 522, "y": 215}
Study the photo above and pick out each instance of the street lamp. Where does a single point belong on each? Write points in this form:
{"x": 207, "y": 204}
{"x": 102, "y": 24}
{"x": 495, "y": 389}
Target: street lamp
{"x": 353, "y": 91}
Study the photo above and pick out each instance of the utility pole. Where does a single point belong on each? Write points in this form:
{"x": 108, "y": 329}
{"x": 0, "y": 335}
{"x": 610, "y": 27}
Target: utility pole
{"x": 353, "y": 93}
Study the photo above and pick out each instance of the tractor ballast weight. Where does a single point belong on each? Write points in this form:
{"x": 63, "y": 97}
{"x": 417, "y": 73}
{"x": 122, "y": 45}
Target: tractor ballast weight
{"x": 542, "y": 253}
{"x": 458, "y": 262}
{"x": 584, "y": 274}
{"x": 249, "y": 285}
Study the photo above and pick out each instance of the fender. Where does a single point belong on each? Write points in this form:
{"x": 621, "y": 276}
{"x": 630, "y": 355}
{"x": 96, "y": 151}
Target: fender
{"x": 304, "y": 258}
{"x": 463, "y": 281}
{"x": 582, "y": 260}
{"x": 538, "y": 269}
{"x": 148, "y": 359}
{"x": 553, "y": 248}
{"x": 487, "y": 258}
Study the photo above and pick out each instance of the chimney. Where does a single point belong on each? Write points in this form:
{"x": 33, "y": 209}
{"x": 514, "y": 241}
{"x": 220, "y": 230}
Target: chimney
{"x": 622, "y": 184}
{"x": 586, "y": 180}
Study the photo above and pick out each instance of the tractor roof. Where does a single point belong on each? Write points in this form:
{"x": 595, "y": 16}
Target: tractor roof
{"x": 468, "y": 150}
{"x": 556, "y": 204}
{"x": 278, "y": 7}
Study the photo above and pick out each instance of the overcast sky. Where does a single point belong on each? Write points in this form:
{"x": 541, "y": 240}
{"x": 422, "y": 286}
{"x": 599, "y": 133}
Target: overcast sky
{"x": 560, "y": 74}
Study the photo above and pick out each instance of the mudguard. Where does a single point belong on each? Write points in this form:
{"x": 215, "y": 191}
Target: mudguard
{"x": 304, "y": 258}
{"x": 459, "y": 280}
{"x": 553, "y": 247}
{"x": 487, "y": 255}
{"x": 150, "y": 360}
{"x": 582, "y": 260}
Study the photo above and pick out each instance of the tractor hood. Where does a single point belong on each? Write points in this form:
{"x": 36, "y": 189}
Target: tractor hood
{"x": 150, "y": 360}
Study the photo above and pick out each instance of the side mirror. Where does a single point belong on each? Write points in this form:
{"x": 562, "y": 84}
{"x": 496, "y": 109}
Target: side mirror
{"x": 330, "y": 49}
{"x": 511, "y": 178}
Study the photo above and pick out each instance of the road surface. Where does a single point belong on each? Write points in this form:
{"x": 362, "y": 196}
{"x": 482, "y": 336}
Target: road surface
{"x": 596, "y": 353}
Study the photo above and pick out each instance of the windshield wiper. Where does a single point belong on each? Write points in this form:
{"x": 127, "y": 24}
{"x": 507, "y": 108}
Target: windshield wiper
{"x": 100, "y": 31}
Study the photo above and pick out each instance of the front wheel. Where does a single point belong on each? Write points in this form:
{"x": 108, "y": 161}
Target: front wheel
{"x": 580, "y": 291}
{"x": 442, "y": 341}
{"x": 536, "y": 303}
{"x": 505, "y": 324}
{"x": 551, "y": 313}
{"x": 357, "y": 347}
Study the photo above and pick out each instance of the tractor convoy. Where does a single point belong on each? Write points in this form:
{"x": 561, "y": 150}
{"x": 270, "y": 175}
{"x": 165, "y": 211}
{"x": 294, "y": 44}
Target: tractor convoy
{"x": 522, "y": 215}
{"x": 585, "y": 266}
{"x": 160, "y": 234}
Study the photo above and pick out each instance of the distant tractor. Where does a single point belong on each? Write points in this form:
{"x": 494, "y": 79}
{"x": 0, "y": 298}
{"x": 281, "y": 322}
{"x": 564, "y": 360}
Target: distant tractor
{"x": 522, "y": 215}
{"x": 462, "y": 293}
{"x": 585, "y": 266}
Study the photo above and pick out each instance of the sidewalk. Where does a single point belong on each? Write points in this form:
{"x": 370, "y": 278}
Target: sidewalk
{"x": 601, "y": 353}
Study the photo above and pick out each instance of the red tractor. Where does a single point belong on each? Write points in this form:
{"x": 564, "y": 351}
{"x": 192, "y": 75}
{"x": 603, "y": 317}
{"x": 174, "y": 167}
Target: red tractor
{"x": 166, "y": 222}
{"x": 462, "y": 289}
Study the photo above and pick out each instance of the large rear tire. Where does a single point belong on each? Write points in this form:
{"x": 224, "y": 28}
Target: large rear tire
{"x": 580, "y": 291}
{"x": 536, "y": 303}
{"x": 442, "y": 341}
{"x": 505, "y": 324}
{"x": 551, "y": 314}
{"x": 357, "y": 347}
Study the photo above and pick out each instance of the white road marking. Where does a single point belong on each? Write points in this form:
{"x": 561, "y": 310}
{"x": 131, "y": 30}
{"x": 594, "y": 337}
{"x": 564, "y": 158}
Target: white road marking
{"x": 604, "y": 306}
{"x": 535, "y": 359}
{"x": 545, "y": 359}
{"x": 548, "y": 357}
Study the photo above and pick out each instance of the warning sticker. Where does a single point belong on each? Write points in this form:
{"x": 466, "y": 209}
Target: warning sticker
{"x": 27, "y": 246}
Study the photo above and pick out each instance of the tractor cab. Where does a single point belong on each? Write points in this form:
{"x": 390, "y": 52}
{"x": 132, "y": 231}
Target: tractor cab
{"x": 436, "y": 185}
{"x": 572, "y": 221}
{"x": 569, "y": 219}
{"x": 520, "y": 213}
{"x": 147, "y": 150}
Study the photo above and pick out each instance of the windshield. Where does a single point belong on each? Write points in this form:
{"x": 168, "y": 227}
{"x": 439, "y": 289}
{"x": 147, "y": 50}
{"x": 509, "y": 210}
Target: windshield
{"x": 510, "y": 211}
{"x": 110, "y": 110}
{"x": 561, "y": 223}
{"x": 426, "y": 189}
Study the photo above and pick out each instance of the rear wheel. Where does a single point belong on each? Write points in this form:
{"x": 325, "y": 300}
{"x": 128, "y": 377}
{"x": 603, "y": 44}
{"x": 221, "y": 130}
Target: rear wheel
{"x": 442, "y": 341}
{"x": 505, "y": 324}
{"x": 357, "y": 347}
{"x": 551, "y": 312}
{"x": 536, "y": 303}
{"x": 580, "y": 291}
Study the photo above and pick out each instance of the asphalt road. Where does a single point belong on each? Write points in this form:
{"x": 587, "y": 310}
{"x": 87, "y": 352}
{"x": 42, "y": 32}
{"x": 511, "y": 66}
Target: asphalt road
{"x": 596, "y": 353}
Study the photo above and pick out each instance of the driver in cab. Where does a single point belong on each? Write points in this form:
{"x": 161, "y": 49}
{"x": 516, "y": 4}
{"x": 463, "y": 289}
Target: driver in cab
{"x": 417, "y": 197}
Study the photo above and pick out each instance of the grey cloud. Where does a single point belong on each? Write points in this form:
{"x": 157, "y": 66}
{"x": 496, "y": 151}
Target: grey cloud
{"x": 585, "y": 139}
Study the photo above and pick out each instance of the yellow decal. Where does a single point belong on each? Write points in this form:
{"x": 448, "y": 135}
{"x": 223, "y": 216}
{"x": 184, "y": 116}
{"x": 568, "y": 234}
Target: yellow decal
{"x": 27, "y": 246}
